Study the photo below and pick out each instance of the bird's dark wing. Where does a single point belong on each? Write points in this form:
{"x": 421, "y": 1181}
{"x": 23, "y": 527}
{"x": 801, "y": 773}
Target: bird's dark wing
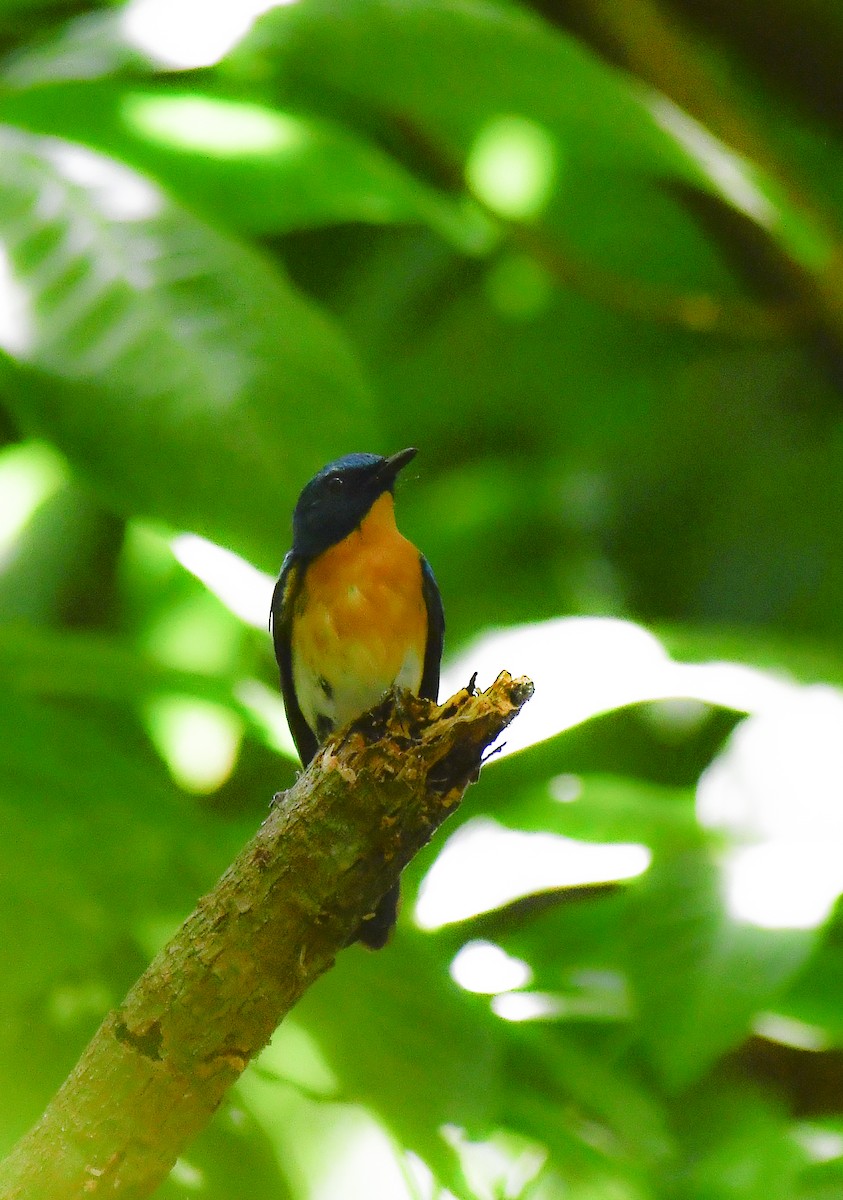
{"x": 435, "y": 633}
{"x": 281, "y": 625}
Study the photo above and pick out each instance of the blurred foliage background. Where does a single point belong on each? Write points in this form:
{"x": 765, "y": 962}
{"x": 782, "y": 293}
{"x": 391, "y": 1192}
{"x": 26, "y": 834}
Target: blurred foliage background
{"x": 586, "y": 254}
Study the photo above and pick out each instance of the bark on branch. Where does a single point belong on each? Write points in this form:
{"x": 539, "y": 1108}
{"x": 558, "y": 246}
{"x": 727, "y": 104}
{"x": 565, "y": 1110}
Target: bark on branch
{"x": 330, "y": 848}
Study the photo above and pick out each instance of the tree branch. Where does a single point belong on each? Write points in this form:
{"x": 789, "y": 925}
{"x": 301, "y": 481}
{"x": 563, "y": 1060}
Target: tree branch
{"x": 159, "y": 1065}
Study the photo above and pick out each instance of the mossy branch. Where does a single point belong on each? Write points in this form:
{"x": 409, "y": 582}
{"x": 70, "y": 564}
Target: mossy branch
{"x": 332, "y": 845}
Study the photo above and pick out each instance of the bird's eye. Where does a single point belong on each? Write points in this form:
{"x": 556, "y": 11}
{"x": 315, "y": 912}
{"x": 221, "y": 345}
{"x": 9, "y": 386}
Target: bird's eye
{"x": 336, "y": 484}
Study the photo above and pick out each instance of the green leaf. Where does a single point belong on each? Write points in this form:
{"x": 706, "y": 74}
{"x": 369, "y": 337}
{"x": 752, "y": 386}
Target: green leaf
{"x": 174, "y": 367}
{"x": 99, "y": 854}
{"x": 555, "y": 1064}
{"x": 822, "y": 1180}
{"x": 95, "y": 842}
{"x": 802, "y": 658}
{"x": 60, "y": 566}
{"x": 257, "y": 168}
{"x": 404, "y": 1041}
{"x": 231, "y": 1158}
{"x": 814, "y": 996}
{"x": 453, "y": 65}
{"x": 595, "y": 808}
{"x": 738, "y": 1145}
{"x": 697, "y": 976}
{"x": 457, "y": 68}
{"x": 612, "y": 778}
{"x": 86, "y": 46}
{"x": 76, "y": 665}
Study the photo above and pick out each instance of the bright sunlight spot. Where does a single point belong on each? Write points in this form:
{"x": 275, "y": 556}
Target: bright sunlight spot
{"x": 781, "y": 885}
{"x": 355, "y": 1159}
{"x": 743, "y": 186}
{"x": 15, "y": 318}
{"x": 120, "y": 193}
{"x": 790, "y": 1032}
{"x": 190, "y": 33}
{"x": 332, "y": 1150}
{"x": 293, "y": 1055}
{"x": 485, "y": 968}
{"x": 483, "y": 865}
{"x": 821, "y": 1143}
{"x": 30, "y": 472}
{"x": 266, "y": 708}
{"x": 588, "y": 995}
{"x": 196, "y": 634}
{"x": 198, "y": 741}
{"x": 501, "y": 1166}
{"x": 781, "y": 775}
{"x": 776, "y": 790}
{"x": 527, "y": 1006}
{"x": 566, "y": 789}
{"x": 187, "y": 1176}
{"x": 242, "y": 588}
{"x": 70, "y": 1002}
{"x": 512, "y": 167}
{"x": 583, "y": 666}
{"x": 219, "y": 128}
{"x": 730, "y": 173}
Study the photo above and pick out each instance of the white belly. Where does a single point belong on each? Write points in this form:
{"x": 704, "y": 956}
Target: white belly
{"x": 328, "y": 703}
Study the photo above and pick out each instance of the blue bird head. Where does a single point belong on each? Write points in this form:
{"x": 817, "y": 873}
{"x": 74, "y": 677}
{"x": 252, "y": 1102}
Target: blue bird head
{"x": 337, "y": 499}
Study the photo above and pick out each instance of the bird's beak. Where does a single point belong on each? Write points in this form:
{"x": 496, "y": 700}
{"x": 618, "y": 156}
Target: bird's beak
{"x": 396, "y": 463}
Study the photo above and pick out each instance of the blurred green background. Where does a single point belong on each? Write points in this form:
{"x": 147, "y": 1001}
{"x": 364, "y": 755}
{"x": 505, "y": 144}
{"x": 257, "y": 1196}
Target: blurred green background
{"x": 586, "y": 255}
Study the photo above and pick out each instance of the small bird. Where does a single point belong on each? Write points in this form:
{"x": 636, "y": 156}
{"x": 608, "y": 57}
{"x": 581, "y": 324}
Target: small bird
{"x": 356, "y": 611}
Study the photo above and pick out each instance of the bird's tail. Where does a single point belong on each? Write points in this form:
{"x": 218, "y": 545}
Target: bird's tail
{"x": 375, "y": 930}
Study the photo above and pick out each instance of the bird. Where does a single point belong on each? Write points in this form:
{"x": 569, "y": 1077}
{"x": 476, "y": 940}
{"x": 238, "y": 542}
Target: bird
{"x": 356, "y": 611}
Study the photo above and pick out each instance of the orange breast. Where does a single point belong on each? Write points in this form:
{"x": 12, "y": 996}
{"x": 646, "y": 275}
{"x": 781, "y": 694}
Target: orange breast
{"x": 360, "y": 623}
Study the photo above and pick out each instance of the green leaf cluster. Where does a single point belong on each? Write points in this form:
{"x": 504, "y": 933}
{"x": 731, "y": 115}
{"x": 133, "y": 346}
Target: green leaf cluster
{"x": 587, "y": 259}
